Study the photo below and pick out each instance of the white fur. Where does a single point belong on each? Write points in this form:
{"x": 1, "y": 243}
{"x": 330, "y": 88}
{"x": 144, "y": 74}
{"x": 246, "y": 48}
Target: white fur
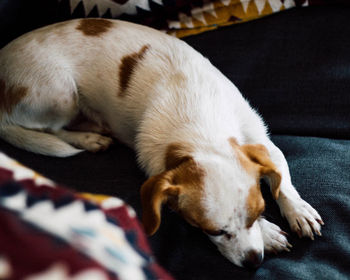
{"x": 175, "y": 95}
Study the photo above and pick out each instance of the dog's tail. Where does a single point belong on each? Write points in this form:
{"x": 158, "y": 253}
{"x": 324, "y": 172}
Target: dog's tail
{"x": 36, "y": 141}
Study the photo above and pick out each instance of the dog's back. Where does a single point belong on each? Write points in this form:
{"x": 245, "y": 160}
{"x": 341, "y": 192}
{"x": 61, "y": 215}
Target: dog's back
{"x": 47, "y": 76}
{"x": 112, "y": 71}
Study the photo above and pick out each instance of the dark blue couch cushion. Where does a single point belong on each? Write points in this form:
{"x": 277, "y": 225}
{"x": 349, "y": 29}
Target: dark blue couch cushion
{"x": 293, "y": 67}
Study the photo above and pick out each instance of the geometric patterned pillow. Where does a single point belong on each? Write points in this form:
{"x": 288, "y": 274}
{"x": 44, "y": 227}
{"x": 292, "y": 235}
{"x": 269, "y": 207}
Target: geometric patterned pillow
{"x": 50, "y": 232}
{"x": 178, "y": 17}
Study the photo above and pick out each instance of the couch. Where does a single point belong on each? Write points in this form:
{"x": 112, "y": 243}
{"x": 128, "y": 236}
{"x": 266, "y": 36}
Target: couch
{"x": 294, "y": 68}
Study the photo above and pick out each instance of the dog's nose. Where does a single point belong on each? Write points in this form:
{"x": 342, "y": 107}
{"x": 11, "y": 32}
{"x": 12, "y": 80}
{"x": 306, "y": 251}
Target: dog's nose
{"x": 252, "y": 259}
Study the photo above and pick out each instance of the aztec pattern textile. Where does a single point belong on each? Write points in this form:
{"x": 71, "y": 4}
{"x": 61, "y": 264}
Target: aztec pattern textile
{"x": 179, "y": 17}
{"x": 49, "y": 232}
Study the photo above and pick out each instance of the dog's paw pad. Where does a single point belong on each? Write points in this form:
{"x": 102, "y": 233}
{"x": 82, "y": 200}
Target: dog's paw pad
{"x": 302, "y": 217}
{"x": 95, "y": 142}
{"x": 275, "y": 240}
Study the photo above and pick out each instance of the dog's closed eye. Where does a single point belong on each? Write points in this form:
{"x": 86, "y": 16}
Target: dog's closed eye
{"x": 217, "y": 233}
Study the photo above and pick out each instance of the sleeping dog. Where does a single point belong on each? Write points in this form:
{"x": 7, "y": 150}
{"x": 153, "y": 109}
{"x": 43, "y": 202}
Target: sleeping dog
{"x": 204, "y": 148}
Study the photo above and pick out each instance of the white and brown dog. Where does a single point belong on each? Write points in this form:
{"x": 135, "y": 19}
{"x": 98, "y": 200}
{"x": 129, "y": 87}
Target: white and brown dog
{"x": 204, "y": 148}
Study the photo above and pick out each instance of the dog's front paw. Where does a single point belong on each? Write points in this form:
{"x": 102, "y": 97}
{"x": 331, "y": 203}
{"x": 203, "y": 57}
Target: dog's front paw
{"x": 301, "y": 216}
{"x": 94, "y": 142}
{"x": 275, "y": 239}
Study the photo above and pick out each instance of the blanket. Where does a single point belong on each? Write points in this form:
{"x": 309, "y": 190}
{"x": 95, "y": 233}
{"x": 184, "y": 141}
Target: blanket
{"x": 50, "y": 232}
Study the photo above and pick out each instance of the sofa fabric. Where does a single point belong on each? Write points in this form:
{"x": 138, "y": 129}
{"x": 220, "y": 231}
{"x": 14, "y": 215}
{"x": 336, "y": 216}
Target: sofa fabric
{"x": 294, "y": 68}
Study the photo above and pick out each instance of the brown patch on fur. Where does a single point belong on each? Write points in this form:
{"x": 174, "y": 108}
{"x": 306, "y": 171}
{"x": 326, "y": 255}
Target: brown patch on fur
{"x": 94, "y": 26}
{"x": 177, "y": 153}
{"x": 127, "y": 66}
{"x": 11, "y": 97}
{"x": 177, "y": 80}
{"x": 181, "y": 187}
{"x": 233, "y": 142}
{"x": 255, "y": 205}
{"x": 250, "y": 166}
{"x": 189, "y": 177}
{"x": 256, "y": 160}
{"x": 260, "y": 155}
{"x": 153, "y": 195}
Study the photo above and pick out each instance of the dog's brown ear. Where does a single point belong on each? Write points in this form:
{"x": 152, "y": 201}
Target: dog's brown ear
{"x": 260, "y": 155}
{"x": 154, "y": 192}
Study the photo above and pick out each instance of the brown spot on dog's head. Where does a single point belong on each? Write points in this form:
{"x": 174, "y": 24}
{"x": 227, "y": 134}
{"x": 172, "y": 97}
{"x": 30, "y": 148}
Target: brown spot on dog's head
{"x": 255, "y": 205}
{"x": 10, "y": 97}
{"x": 181, "y": 186}
{"x": 177, "y": 153}
{"x": 259, "y": 155}
{"x": 255, "y": 159}
{"x": 94, "y": 26}
{"x": 245, "y": 161}
{"x": 127, "y": 66}
{"x": 189, "y": 177}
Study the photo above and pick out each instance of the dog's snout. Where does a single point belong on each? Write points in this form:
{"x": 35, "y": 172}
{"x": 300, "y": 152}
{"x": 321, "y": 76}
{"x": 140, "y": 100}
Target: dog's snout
{"x": 252, "y": 259}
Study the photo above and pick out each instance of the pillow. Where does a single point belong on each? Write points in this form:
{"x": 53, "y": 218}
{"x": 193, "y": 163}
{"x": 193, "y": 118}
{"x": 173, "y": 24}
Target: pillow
{"x": 50, "y": 232}
{"x": 180, "y": 18}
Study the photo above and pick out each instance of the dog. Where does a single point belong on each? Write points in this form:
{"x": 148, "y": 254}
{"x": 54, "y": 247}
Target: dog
{"x": 68, "y": 87}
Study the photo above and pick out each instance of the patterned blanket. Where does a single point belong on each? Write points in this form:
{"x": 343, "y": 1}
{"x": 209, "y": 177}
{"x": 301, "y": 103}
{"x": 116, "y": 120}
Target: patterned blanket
{"x": 179, "y": 17}
{"x": 50, "y": 232}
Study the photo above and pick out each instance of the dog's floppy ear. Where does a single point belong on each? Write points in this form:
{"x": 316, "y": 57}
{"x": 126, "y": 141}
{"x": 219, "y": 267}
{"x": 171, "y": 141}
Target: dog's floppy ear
{"x": 260, "y": 155}
{"x": 154, "y": 192}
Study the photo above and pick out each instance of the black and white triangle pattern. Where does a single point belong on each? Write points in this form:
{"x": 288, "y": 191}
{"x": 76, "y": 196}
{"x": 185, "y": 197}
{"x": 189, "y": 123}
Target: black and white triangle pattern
{"x": 154, "y": 13}
{"x": 115, "y": 9}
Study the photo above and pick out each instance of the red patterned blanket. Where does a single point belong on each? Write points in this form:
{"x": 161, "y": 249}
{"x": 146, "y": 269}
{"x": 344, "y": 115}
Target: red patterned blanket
{"x": 50, "y": 232}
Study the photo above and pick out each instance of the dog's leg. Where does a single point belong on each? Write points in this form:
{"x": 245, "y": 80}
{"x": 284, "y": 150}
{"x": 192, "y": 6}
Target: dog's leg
{"x": 37, "y": 141}
{"x": 89, "y": 127}
{"x": 90, "y": 141}
{"x": 86, "y": 134}
{"x": 302, "y": 217}
{"x": 274, "y": 238}
{"x": 83, "y": 124}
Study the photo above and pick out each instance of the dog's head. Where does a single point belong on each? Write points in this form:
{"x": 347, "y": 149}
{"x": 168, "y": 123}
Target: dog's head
{"x": 217, "y": 191}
